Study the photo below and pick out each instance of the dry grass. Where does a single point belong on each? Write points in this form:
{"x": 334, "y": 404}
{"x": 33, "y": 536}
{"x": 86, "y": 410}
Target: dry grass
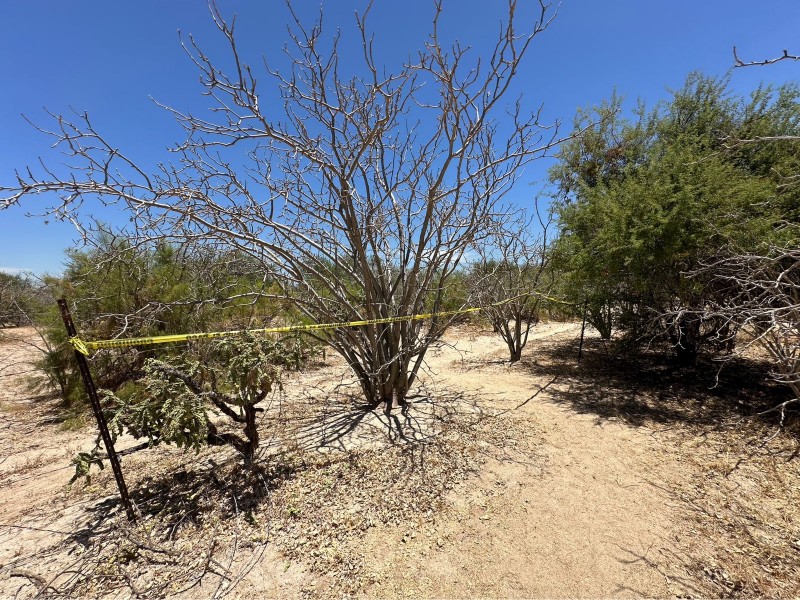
{"x": 745, "y": 511}
{"x": 26, "y": 465}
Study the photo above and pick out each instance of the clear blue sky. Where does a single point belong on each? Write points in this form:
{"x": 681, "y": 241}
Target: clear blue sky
{"x": 109, "y": 58}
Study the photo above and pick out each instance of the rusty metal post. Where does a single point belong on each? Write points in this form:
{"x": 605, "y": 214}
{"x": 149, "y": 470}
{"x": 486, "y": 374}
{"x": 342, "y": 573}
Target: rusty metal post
{"x": 91, "y": 391}
{"x": 583, "y": 329}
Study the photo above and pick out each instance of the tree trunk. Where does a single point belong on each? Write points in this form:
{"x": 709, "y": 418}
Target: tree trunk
{"x": 387, "y": 387}
{"x": 599, "y": 317}
{"x": 251, "y": 431}
{"x": 383, "y": 360}
{"x": 514, "y": 336}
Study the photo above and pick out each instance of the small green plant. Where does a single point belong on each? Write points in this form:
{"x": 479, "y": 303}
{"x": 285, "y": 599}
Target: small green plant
{"x": 174, "y": 401}
{"x": 83, "y": 462}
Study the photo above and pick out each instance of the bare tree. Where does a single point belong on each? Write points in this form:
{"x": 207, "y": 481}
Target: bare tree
{"x": 761, "y": 297}
{"x": 763, "y": 287}
{"x": 508, "y": 278}
{"x": 359, "y": 195}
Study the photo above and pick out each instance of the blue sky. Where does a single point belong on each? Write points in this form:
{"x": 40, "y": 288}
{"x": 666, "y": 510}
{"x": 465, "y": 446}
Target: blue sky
{"x": 110, "y": 58}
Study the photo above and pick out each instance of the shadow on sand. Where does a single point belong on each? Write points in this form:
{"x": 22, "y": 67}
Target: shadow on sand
{"x": 215, "y": 481}
{"x": 651, "y": 387}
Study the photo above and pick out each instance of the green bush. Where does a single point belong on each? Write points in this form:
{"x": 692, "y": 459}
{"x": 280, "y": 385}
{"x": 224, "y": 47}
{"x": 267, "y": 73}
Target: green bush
{"x": 643, "y": 203}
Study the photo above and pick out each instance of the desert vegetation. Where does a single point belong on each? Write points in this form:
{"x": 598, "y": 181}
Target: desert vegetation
{"x": 309, "y": 462}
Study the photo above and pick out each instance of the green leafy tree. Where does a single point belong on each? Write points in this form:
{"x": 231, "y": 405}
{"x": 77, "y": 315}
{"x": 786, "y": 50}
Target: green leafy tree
{"x": 644, "y": 202}
{"x": 22, "y": 298}
{"x": 120, "y": 290}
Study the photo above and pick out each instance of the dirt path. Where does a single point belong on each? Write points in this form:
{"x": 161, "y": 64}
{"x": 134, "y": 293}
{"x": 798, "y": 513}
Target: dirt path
{"x": 592, "y": 519}
{"x": 586, "y": 511}
{"x": 35, "y": 454}
{"x": 30, "y": 444}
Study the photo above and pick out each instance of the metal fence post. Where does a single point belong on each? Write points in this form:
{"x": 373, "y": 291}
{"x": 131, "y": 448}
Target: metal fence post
{"x": 91, "y": 391}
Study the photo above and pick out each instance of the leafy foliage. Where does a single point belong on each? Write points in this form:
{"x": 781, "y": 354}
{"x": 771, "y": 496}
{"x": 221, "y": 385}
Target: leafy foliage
{"x": 116, "y": 289}
{"x": 178, "y": 400}
{"x": 161, "y": 408}
{"x": 83, "y": 462}
{"x": 21, "y": 297}
{"x": 643, "y": 202}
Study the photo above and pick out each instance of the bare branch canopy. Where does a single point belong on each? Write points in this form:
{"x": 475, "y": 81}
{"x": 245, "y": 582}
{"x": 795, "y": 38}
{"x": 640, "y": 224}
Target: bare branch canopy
{"x": 357, "y": 196}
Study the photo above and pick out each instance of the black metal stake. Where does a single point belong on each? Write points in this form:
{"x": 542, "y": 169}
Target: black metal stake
{"x": 583, "y": 329}
{"x": 91, "y": 390}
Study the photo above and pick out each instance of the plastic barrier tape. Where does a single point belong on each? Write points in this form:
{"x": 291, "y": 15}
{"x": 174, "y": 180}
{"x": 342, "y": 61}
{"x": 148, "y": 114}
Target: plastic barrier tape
{"x": 85, "y": 347}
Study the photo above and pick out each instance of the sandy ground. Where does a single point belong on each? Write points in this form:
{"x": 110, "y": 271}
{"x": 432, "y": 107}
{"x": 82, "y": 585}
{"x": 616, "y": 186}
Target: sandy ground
{"x": 41, "y": 513}
{"x": 35, "y": 454}
{"x": 592, "y": 511}
{"x": 592, "y": 519}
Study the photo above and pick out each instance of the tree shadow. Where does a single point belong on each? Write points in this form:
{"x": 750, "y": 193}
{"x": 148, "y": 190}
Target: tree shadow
{"x": 347, "y": 423}
{"x": 201, "y": 486}
{"x": 187, "y": 496}
{"x": 684, "y": 583}
{"x": 649, "y": 387}
{"x": 330, "y": 469}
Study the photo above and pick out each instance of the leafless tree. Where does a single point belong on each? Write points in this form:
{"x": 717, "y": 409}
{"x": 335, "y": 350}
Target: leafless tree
{"x": 760, "y": 294}
{"x": 359, "y": 195}
{"x": 509, "y": 278}
{"x": 763, "y": 288}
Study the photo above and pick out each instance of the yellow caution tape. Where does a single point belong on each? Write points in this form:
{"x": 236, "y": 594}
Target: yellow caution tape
{"x": 85, "y": 347}
{"x": 556, "y": 300}
{"x": 79, "y": 345}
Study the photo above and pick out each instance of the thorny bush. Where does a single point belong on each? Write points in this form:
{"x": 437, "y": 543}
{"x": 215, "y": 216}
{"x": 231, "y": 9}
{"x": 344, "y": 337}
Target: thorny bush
{"x": 178, "y": 399}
